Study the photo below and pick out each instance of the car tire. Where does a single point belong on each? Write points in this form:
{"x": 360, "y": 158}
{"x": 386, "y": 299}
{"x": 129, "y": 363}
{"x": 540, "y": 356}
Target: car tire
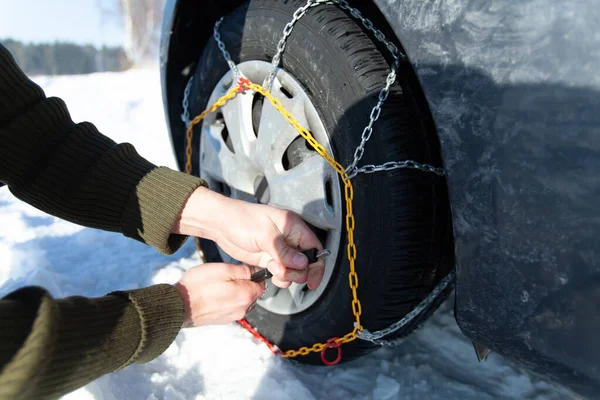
{"x": 402, "y": 216}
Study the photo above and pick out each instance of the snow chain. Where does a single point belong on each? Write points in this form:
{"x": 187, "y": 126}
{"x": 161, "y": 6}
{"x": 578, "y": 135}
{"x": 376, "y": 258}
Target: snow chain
{"x": 346, "y": 174}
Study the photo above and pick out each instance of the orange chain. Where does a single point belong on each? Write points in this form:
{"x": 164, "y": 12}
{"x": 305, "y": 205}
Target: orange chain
{"x": 242, "y": 86}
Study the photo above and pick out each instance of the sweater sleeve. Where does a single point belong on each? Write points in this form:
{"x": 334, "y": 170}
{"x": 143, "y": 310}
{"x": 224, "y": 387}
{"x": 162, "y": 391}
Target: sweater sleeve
{"x": 51, "y": 347}
{"x": 74, "y": 172}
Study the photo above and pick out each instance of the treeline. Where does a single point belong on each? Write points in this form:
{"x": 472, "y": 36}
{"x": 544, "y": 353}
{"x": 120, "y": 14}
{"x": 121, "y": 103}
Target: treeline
{"x": 62, "y": 58}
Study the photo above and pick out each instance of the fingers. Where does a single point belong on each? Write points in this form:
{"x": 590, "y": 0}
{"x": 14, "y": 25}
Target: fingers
{"x": 249, "y": 292}
{"x": 293, "y": 234}
{"x": 288, "y": 263}
{"x": 283, "y": 277}
{"x": 215, "y": 294}
{"x": 240, "y": 272}
{"x": 277, "y": 270}
{"x": 280, "y": 284}
{"x": 308, "y": 239}
{"x": 283, "y": 252}
{"x": 315, "y": 274}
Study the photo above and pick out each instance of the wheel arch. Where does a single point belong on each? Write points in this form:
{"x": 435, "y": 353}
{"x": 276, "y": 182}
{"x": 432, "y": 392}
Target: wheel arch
{"x": 187, "y": 25}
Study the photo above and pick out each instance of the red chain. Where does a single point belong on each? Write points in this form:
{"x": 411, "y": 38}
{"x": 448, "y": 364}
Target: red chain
{"x": 258, "y": 336}
{"x": 332, "y": 344}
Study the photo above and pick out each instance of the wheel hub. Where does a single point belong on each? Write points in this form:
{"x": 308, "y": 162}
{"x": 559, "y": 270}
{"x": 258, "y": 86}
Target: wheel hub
{"x": 250, "y": 152}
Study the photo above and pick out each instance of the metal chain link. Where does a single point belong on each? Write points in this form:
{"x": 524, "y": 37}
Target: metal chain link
{"x": 374, "y": 116}
{"x": 392, "y": 165}
{"x": 375, "y": 337}
{"x": 226, "y": 55}
{"x": 287, "y": 31}
{"x": 185, "y": 116}
{"x": 369, "y": 25}
{"x": 383, "y": 94}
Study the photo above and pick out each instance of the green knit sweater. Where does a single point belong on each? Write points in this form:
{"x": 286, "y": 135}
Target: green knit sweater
{"x": 50, "y": 347}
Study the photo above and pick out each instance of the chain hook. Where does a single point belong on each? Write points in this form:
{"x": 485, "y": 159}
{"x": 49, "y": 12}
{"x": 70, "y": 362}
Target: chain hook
{"x": 332, "y": 344}
{"x": 243, "y": 84}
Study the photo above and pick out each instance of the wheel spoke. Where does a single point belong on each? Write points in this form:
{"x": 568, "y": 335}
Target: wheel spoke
{"x": 302, "y": 190}
{"x": 275, "y": 133}
{"x": 297, "y": 293}
{"x": 220, "y": 164}
{"x": 271, "y": 292}
{"x": 237, "y": 114}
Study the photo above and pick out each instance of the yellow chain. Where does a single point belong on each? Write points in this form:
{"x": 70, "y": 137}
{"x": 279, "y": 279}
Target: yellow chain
{"x": 190, "y": 131}
{"x": 348, "y": 194}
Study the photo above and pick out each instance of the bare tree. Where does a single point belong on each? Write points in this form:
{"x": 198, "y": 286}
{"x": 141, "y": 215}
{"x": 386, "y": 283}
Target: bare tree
{"x": 141, "y": 20}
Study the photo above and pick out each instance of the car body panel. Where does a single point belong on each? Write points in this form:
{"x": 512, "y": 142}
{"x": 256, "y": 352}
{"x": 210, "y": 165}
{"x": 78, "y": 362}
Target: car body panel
{"x": 168, "y": 23}
{"x": 514, "y": 92}
{"x": 187, "y": 24}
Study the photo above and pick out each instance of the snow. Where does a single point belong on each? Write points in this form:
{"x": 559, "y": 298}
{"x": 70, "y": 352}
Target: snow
{"x": 218, "y": 362}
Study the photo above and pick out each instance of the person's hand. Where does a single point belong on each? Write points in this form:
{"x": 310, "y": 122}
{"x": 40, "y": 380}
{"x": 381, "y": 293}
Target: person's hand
{"x": 216, "y": 294}
{"x": 254, "y": 234}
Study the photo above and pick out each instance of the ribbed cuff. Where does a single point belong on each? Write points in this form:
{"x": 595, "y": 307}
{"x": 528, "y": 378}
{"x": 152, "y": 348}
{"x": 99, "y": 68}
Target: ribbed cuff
{"x": 161, "y": 312}
{"x": 28, "y": 366}
{"x": 73, "y": 341}
{"x": 155, "y": 207}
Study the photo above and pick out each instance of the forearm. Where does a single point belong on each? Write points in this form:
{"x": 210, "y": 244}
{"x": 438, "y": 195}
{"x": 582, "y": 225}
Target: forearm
{"x": 56, "y": 165}
{"x": 50, "y": 347}
{"x": 74, "y": 172}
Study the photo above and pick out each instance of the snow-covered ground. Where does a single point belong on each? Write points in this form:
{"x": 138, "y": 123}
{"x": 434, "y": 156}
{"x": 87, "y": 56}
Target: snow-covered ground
{"x": 222, "y": 362}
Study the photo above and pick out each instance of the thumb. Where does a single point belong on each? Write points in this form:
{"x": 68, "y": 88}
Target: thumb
{"x": 284, "y": 254}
